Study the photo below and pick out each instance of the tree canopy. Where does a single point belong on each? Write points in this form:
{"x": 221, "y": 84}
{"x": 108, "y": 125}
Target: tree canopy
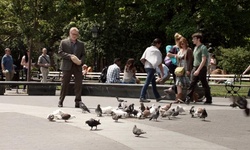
{"x": 125, "y": 27}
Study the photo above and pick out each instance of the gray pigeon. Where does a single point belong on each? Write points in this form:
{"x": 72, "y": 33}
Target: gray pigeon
{"x": 116, "y": 117}
{"x": 168, "y": 113}
{"x": 203, "y": 114}
{"x": 84, "y": 107}
{"x": 98, "y": 110}
{"x": 142, "y": 107}
{"x": 241, "y": 102}
{"x": 120, "y": 100}
{"x": 138, "y": 131}
{"x": 51, "y": 117}
{"x": 66, "y": 116}
{"x": 156, "y": 115}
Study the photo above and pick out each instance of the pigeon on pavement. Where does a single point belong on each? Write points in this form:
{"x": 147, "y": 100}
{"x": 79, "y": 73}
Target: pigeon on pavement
{"x": 241, "y": 102}
{"x": 84, "y": 107}
{"x": 116, "y": 117}
{"x": 93, "y": 123}
{"x": 98, "y": 111}
{"x": 51, "y": 117}
{"x": 66, "y": 116}
{"x": 192, "y": 111}
{"x": 138, "y": 131}
{"x": 120, "y": 100}
{"x": 156, "y": 114}
{"x": 142, "y": 107}
{"x": 203, "y": 114}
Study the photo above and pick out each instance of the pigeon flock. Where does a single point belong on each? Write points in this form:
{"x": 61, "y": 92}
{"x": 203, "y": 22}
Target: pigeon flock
{"x": 125, "y": 110}
{"x": 153, "y": 112}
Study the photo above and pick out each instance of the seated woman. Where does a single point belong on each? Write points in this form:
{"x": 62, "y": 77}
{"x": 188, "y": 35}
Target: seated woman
{"x": 129, "y": 72}
{"x": 84, "y": 69}
{"x": 166, "y": 74}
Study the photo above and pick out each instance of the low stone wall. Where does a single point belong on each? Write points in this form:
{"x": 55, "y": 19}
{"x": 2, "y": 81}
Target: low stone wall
{"x": 98, "y": 89}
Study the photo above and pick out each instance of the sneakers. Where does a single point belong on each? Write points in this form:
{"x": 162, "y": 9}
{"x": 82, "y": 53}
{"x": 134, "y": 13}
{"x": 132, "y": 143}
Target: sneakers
{"x": 207, "y": 103}
{"x": 77, "y": 105}
{"x": 159, "y": 99}
{"x": 144, "y": 100}
{"x": 60, "y": 104}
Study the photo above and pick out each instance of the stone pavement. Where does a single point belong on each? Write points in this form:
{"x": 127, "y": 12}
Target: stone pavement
{"x": 24, "y": 126}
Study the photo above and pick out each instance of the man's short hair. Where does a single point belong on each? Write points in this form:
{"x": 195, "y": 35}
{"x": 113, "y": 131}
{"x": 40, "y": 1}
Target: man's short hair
{"x": 198, "y": 35}
{"x": 117, "y": 60}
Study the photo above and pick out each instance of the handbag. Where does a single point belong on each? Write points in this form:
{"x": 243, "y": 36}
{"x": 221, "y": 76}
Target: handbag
{"x": 179, "y": 71}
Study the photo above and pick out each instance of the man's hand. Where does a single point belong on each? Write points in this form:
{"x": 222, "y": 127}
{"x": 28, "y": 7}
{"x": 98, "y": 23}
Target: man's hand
{"x": 75, "y": 60}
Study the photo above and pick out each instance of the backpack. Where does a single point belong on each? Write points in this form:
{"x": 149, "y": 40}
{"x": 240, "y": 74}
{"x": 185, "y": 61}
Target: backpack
{"x": 103, "y": 76}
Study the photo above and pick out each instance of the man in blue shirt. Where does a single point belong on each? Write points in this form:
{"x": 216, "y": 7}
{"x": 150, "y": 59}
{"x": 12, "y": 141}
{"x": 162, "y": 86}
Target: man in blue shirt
{"x": 7, "y": 66}
{"x": 113, "y": 73}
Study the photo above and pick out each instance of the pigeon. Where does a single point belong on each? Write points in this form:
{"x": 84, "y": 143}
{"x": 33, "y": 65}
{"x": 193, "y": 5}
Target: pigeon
{"x": 107, "y": 110}
{"x": 198, "y": 112}
{"x": 152, "y": 109}
{"x": 130, "y": 109}
{"x": 93, "y": 123}
{"x": 168, "y": 113}
{"x": 241, "y": 102}
{"x": 119, "y": 112}
{"x": 175, "y": 113}
{"x": 191, "y": 111}
{"x": 138, "y": 131}
{"x": 203, "y": 114}
{"x": 146, "y": 113}
{"x": 66, "y": 116}
{"x": 84, "y": 107}
{"x": 156, "y": 115}
{"x": 180, "y": 109}
{"x": 142, "y": 107}
{"x": 50, "y": 117}
{"x": 98, "y": 111}
{"x": 167, "y": 106}
{"x": 120, "y": 100}
{"x": 116, "y": 117}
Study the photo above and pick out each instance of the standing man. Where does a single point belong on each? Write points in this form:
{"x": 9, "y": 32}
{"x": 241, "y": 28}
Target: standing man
{"x": 113, "y": 73}
{"x": 7, "y": 66}
{"x": 72, "y": 52}
{"x": 151, "y": 59}
{"x": 200, "y": 69}
{"x": 44, "y": 63}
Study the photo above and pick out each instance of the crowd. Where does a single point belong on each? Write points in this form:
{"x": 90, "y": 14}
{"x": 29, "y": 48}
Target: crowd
{"x": 187, "y": 66}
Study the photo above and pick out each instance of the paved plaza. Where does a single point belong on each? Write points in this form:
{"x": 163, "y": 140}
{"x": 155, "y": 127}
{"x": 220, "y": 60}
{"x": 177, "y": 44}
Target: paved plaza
{"x": 24, "y": 126}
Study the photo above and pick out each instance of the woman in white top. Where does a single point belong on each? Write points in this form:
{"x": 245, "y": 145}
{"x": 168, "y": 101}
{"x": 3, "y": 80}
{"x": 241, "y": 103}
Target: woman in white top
{"x": 129, "y": 72}
{"x": 25, "y": 64}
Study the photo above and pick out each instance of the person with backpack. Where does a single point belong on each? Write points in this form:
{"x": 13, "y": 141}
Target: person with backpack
{"x": 171, "y": 61}
{"x": 103, "y": 76}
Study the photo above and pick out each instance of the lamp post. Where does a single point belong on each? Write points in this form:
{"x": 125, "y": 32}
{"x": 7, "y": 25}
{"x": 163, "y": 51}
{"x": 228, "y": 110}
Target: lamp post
{"x": 94, "y": 35}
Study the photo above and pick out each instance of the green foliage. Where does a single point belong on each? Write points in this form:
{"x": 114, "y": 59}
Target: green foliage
{"x": 126, "y": 27}
{"x": 234, "y": 60}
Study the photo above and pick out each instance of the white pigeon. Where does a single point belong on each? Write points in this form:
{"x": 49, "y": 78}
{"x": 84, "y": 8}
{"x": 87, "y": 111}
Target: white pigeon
{"x": 153, "y": 109}
{"x": 180, "y": 109}
{"x": 119, "y": 112}
{"x": 107, "y": 110}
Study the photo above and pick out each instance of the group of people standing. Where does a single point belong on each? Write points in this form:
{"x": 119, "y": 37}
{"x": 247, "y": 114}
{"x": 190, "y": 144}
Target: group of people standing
{"x": 8, "y": 66}
{"x": 180, "y": 55}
